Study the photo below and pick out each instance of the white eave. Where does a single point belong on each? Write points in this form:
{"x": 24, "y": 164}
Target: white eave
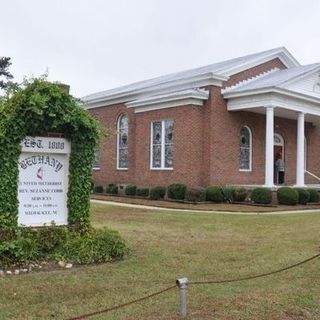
{"x": 173, "y": 86}
{"x": 215, "y": 74}
{"x": 170, "y": 100}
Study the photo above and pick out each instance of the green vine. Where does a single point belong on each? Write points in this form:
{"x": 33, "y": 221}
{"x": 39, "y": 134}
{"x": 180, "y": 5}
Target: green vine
{"x": 38, "y": 108}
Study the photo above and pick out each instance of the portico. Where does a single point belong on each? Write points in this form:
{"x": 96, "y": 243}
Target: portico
{"x": 290, "y": 94}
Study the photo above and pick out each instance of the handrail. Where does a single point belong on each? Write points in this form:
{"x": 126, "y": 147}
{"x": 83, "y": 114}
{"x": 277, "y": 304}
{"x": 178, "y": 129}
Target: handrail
{"x": 313, "y": 175}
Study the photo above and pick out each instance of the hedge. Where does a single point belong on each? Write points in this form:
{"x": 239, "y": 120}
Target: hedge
{"x": 240, "y": 194}
{"x": 314, "y": 195}
{"x": 130, "y": 190}
{"x": 112, "y": 189}
{"x": 304, "y": 195}
{"x": 98, "y": 189}
{"x": 228, "y": 194}
{"x": 177, "y": 191}
{"x": 287, "y": 196}
{"x": 214, "y": 194}
{"x": 157, "y": 193}
{"x": 195, "y": 194}
{"x": 261, "y": 195}
{"x": 143, "y": 192}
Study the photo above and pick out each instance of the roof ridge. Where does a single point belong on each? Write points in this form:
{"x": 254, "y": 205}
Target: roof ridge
{"x": 246, "y": 81}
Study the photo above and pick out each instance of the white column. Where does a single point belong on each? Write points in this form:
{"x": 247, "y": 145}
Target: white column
{"x": 269, "y": 147}
{"x": 300, "y": 150}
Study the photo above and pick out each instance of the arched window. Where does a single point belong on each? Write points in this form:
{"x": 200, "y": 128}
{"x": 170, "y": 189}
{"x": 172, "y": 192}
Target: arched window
{"x": 122, "y": 142}
{"x": 245, "y": 151}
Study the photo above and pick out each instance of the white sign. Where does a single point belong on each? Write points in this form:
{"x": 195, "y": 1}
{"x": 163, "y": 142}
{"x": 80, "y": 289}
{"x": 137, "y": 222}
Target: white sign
{"x": 43, "y": 181}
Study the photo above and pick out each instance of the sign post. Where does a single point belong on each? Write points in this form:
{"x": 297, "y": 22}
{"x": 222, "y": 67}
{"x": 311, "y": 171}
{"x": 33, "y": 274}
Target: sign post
{"x": 43, "y": 181}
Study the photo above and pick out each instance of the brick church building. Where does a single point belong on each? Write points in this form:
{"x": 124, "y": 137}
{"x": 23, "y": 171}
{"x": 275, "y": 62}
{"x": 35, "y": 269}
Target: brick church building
{"x": 222, "y": 124}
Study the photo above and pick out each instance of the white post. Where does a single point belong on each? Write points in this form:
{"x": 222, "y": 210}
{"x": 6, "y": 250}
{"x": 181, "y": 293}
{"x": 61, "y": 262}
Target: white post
{"x": 300, "y": 151}
{"x": 183, "y": 285}
{"x": 269, "y": 147}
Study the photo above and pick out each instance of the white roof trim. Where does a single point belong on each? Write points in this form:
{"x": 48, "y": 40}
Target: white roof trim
{"x": 174, "y": 99}
{"x": 214, "y": 74}
{"x": 281, "y": 53}
{"x": 252, "y": 94}
{"x": 172, "y": 86}
{"x": 244, "y": 82}
{"x": 278, "y": 98}
{"x": 241, "y": 89}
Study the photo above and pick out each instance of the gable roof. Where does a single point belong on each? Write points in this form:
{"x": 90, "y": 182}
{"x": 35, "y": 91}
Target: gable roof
{"x": 273, "y": 79}
{"x": 213, "y": 74}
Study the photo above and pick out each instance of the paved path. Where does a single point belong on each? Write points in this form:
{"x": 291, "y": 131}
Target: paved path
{"x": 139, "y": 206}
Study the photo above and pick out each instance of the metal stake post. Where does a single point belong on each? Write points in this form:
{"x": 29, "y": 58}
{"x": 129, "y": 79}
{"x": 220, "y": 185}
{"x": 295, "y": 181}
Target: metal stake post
{"x": 183, "y": 285}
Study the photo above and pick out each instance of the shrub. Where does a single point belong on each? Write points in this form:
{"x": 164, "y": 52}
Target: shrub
{"x": 261, "y": 195}
{"x": 95, "y": 246}
{"x": 314, "y": 195}
{"x": 112, "y": 189}
{"x": 240, "y": 194}
{"x": 214, "y": 194}
{"x": 288, "y": 196}
{"x": 130, "y": 190}
{"x": 57, "y": 243}
{"x": 98, "y": 189}
{"x": 304, "y": 195}
{"x": 157, "y": 193}
{"x": 177, "y": 191}
{"x": 143, "y": 192}
{"x": 228, "y": 194}
{"x": 195, "y": 194}
{"x": 18, "y": 251}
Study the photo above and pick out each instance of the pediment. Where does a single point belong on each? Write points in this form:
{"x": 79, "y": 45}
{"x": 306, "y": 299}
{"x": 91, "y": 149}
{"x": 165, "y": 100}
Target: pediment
{"x": 308, "y": 84}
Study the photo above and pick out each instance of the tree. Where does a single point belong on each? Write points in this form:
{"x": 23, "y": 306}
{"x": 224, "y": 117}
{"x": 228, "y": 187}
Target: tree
{"x": 4, "y": 72}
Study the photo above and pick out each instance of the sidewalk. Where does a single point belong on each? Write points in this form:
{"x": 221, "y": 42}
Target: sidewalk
{"x": 138, "y": 206}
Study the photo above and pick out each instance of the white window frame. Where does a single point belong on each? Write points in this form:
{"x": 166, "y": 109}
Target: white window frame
{"x": 163, "y": 144}
{"x": 250, "y": 149}
{"x": 118, "y": 137}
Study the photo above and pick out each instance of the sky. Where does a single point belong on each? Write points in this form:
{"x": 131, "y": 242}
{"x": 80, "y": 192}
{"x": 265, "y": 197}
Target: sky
{"x": 94, "y": 45}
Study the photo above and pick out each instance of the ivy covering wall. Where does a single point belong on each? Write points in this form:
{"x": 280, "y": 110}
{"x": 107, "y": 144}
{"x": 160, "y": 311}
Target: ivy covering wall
{"x": 38, "y": 108}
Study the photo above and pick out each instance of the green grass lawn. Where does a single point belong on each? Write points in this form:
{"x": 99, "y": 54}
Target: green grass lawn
{"x": 167, "y": 245}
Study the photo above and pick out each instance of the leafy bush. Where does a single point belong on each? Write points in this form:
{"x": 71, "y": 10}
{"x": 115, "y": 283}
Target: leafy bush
{"x": 177, "y": 191}
{"x": 195, "y": 194}
{"x": 112, "y": 189}
{"x": 143, "y": 192}
{"x": 304, "y": 195}
{"x": 17, "y": 251}
{"x": 214, "y": 194}
{"x": 288, "y": 196}
{"x": 130, "y": 190}
{"x": 96, "y": 246}
{"x": 157, "y": 193}
{"x": 98, "y": 189}
{"x": 57, "y": 243}
{"x": 314, "y": 195}
{"x": 228, "y": 194}
{"x": 240, "y": 194}
{"x": 261, "y": 195}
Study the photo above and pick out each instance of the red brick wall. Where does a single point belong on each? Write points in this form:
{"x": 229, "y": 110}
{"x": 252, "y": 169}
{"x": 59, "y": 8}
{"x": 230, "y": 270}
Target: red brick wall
{"x": 187, "y": 140}
{"x": 108, "y": 173}
{"x": 206, "y": 142}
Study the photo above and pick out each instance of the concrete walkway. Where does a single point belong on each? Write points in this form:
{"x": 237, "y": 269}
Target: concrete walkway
{"x": 138, "y": 206}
